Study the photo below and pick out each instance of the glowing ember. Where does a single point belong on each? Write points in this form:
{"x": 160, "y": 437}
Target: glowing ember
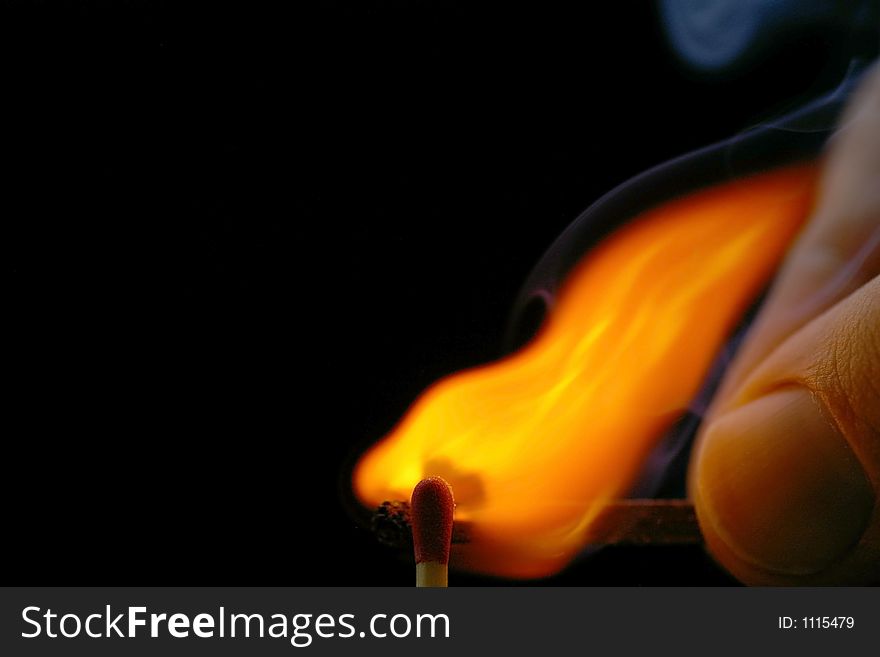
{"x": 533, "y": 443}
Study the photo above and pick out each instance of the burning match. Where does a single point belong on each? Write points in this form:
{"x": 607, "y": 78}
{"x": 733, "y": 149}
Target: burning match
{"x": 432, "y": 508}
{"x": 542, "y": 446}
{"x": 428, "y": 523}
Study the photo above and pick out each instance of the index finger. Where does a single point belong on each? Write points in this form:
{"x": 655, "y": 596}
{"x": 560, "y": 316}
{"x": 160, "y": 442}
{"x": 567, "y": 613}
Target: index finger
{"x": 838, "y": 251}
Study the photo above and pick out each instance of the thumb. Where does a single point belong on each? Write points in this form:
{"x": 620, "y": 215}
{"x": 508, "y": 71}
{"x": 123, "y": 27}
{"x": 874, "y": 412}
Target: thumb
{"x": 786, "y": 473}
{"x": 785, "y": 482}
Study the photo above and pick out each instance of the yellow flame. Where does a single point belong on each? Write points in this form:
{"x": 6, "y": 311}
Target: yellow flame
{"x": 533, "y": 443}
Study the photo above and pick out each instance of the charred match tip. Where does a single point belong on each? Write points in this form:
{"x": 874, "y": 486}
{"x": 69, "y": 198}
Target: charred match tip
{"x": 432, "y": 507}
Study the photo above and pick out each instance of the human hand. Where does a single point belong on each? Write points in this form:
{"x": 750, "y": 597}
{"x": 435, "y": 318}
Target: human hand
{"x": 786, "y": 471}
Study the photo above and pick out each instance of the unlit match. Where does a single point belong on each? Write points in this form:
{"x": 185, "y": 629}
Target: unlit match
{"x": 432, "y": 507}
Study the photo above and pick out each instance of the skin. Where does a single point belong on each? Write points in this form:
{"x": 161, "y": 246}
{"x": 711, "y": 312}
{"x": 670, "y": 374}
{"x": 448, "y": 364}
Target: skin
{"x": 786, "y": 471}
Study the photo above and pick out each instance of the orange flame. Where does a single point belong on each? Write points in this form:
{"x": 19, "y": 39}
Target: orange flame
{"x": 532, "y": 444}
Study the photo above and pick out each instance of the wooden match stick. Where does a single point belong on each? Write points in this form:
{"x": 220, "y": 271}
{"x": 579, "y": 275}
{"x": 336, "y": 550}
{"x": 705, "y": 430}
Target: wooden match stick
{"x": 619, "y": 522}
{"x": 432, "y": 507}
{"x": 645, "y": 522}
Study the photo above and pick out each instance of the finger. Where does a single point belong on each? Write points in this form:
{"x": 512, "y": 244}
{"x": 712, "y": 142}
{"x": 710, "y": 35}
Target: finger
{"x": 838, "y": 251}
{"x": 785, "y": 482}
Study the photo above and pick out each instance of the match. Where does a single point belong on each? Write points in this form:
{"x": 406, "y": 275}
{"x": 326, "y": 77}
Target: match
{"x": 432, "y": 509}
{"x": 428, "y": 521}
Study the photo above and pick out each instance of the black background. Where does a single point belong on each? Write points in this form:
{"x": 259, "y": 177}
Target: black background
{"x": 237, "y": 243}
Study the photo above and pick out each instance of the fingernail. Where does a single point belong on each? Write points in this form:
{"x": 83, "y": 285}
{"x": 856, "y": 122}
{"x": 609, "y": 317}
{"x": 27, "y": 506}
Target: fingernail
{"x": 781, "y": 486}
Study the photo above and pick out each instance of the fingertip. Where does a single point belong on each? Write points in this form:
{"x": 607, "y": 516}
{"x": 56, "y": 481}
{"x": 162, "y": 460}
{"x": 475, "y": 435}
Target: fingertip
{"x": 778, "y": 492}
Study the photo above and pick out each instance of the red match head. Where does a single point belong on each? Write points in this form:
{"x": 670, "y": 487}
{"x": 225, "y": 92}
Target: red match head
{"x": 432, "y": 506}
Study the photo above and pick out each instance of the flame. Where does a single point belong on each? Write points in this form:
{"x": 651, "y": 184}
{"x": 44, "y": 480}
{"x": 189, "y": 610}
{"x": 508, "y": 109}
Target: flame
{"x": 533, "y": 443}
